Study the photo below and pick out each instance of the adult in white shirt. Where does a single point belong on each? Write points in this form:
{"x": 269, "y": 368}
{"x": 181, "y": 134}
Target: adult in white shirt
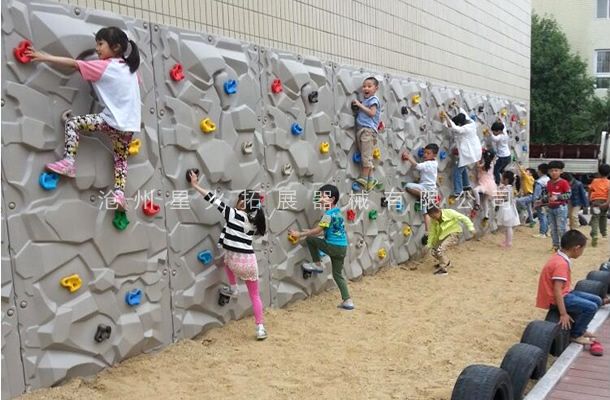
{"x": 500, "y": 140}
{"x": 469, "y": 148}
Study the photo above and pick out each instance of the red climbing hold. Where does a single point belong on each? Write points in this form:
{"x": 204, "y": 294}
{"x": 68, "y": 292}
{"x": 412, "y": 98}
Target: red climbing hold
{"x": 351, "y": 215}
{"x": 513, "y": 118}
{"x": 176, "y": 73}
{"x": 455, "y": 151}
{"x": 150, "y": 209}
{"x": 19, "y": 51}
{"x": 261, "y": 198}
{"x": 380, "y": 126}
{"x": 276, "y": 86}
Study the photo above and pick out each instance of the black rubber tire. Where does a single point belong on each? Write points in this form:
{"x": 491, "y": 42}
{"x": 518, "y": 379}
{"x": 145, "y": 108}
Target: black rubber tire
{"x": 522, "y": 362}
{"x": 562, "y": 341}
{"x": 594, "y": 287}
{"x": 541, "y": 334}
{"x": 482, "y": 382}
{"x": 605, "y": 266}
{"x": 602, "y": 276}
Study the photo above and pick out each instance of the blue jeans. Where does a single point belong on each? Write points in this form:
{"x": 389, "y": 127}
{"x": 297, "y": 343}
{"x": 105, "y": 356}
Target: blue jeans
{"x": 526, "y": 202}
{"x": 558, "y": 220}
{"x": 542, "y": 220}
{"x": 501, "y": 163}
{"x": 584, "y": 306}
{"x": 460, "y": 179}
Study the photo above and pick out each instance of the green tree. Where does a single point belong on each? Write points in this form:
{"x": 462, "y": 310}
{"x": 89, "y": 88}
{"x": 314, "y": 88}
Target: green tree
{"x": 561, "y": 89}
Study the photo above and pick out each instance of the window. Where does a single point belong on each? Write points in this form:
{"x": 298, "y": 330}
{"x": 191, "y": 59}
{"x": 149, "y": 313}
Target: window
{"x": 603, "y": 8}
{"x": 602, "y": 69}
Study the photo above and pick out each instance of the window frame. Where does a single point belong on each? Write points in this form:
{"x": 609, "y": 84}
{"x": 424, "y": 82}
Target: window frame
{"x": 596, "y": 73}
{"x": 607, "y": 16}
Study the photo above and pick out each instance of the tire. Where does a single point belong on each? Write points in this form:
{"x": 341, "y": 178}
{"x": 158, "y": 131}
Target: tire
{"x": 605, "y": 266}
{"x": 482, "y": 382}
{"x": 602, "y": 276}
{"x": 522, "y": 362}
{"x": 562, "y": 341}
{"x": 541, "y": 334}
{"x": 594, "y": 287}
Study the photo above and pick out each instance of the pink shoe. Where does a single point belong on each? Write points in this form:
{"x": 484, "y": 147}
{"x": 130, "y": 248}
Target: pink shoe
{"x": 119, "y": 199}
{"x": 63, "y": 167}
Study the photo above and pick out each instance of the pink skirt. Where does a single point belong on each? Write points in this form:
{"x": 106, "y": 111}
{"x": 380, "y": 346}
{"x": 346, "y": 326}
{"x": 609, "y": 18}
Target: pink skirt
{"x": 243, "y": 265}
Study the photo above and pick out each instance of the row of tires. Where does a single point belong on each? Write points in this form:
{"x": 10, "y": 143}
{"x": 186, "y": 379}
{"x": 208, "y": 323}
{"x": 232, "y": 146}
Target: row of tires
{"x": 528, "y": 359}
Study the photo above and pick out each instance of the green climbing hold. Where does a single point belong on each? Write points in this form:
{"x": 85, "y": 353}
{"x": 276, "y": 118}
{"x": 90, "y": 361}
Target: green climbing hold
{"x": 417, "y": 206}
{"x": 373, "y": 214}
{"x": 120, "y": 220}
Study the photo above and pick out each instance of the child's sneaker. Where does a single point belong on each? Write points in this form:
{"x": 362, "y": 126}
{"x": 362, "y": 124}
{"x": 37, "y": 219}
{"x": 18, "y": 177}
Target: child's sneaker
{"x": 63, "y": 167}
{"x": 347, "y": 305}
{"x": 540, "y": 235}
{"x": 312, "y": 267}
{"x": 227, "y": 291}
{"x": 261, "y": 333}
{"x": 441, "y": 271}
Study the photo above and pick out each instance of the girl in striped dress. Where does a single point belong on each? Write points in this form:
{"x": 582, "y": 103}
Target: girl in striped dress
{"x": 242, "y": 222}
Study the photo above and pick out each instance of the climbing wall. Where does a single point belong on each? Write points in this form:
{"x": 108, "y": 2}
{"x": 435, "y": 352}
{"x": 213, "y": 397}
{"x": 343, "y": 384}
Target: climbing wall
{"x": 209, "y": 118}
{"x": 66, "y": 234}
{"x": 85, "y": 287}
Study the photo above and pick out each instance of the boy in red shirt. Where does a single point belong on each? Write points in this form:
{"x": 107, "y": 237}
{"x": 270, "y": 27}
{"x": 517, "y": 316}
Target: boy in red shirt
{"x": 559, "y": 193}
{"x": 598, "y": 196}
{"x": 554, "y": 289}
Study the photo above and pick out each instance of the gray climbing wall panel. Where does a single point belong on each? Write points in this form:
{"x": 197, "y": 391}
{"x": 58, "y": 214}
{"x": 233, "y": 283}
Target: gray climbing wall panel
{"x": 55, "y": 234}
{"x": 226, "y": 116}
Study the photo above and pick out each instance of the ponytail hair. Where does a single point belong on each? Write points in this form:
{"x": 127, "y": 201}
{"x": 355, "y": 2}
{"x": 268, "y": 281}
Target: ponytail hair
{"x": 254, "y": 210}
{"x": 128, "y": 50}
{"x": 488, "y": 157}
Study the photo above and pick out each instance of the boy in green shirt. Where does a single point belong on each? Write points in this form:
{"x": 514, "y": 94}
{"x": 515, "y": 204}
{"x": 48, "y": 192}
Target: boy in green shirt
{"x": 445, "y": 231}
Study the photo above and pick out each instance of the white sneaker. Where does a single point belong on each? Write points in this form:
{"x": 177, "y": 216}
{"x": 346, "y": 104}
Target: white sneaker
{"x": 227, "y": 291}
{"x": 540, "y": 235}
{"x": 312, "y": 267}
{"x": 261, "y": 333}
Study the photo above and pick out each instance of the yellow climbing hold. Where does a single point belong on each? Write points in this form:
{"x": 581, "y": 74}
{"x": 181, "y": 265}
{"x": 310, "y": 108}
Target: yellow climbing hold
{"x": 134, "y": 147}
{"x": 416, "y": 99}
{"x": 439, "y": 179}
{"x": 486, "y": 131}
{"x": 381, "y": 253}
{"x": 504, "y": 112}
{"x": 376, "y": 153}
{"x": 406, "y": 231}
{"x": 292, "y": 239}
{"x": 442, "y": 115}
{"x": 451, "y": 200}
{"x": 324, "y": 147}
{"x": 72, "y": 282}
{"x": 522, "y": 122}
{"x": 207, "y": 126}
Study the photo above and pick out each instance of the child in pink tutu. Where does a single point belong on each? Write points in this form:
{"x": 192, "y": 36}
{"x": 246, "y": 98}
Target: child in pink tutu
{"x": 486, "y": 186}
{"x": 507, "y": 215}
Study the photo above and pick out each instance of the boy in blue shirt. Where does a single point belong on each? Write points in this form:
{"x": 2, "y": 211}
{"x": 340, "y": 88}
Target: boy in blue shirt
{"x": 334, "y": 243}
{"x": 367, "y": 121}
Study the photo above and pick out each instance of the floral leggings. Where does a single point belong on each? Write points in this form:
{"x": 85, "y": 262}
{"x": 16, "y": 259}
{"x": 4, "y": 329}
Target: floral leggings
{"x": 120, "y": 143}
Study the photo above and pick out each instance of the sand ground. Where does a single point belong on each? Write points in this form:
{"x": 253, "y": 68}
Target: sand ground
{"x": 409, "y": 338}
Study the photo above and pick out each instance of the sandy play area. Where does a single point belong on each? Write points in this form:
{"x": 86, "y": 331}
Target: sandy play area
{"x": 409, "y": 338}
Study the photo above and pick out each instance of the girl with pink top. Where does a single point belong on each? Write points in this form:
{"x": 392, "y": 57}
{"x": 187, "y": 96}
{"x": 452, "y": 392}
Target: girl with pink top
{"x": 486, "y": 186}
{"x": 116, "y": 84}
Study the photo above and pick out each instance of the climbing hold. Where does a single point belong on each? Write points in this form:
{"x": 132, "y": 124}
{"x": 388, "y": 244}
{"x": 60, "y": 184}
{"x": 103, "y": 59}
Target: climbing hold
{"x": 103, "y": 332}
{"x": 416, "y": 99}
{"x": 399, "y": 206}
{"x": 442, "y": 154}
{"x": 357, "y": 157}
{"x": 440, "y": 179}
{"x": 230, "y": 86}
{"x": 380, "y": 126}
{"x": 406, "y": 231}
{"x": 176, "y": 73}
{"x": 120, "y": 220}
{"x": 376, "y": 153}
{"x": 287, "y": 169}
{"x": 247, "y": 147}
{"x": 356, "y": 187}
{"x": 384, "y": 202}
{"x": 261, "y": 198}
{"x": 292, "y": 239}
{"x": 473, "y": 116}
{"x": 481, "y": 109}
{"x": 296, "y": 129}
{"x": 133, "y": 297}
{"x": 72, "y": 282}
{"x": 513, "y": 118}
{"x": 48, "y": 180}
{"x": 351, "y": 215}
{"x": 417, "y": 206}
{"x": 276, "y": 86}
{"x": 324, "y": 147}
{"x": 373, "y": 215}
{"x": 19, "y": 51}
{"x": 451, "y": 200}
{"x": 150, "y": 209}
{"x": 207, "y": 126}
{"x": 524, "y": 148}
{"x": 453, "y": 103}
{"x": 134, "y": 147}
{"x": 188, "y": 173}
{"x": 205, "y": 257}
{"x": 360, "y": 244}
{"x": 313, "y": 97}
{"x": 442, "y": 115}
{"x": 66, "y": 115}
{"x": 522, "y": 122}
{"x": 382, "y": 253}
{"x": 404, "y": 110}
{"x": 486, "y": 131}
{"x": 516, "y": 139}
{"x": 422, "y": 126}
{"x": 503, "y": 112}
{"x": 355, "y": 108}
{"x": 455, "y": 151}
{"x": 420, "y": 152}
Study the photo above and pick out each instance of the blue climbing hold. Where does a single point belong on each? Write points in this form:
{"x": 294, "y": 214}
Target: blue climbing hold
{"x": 399, "y": 206}
{"x": 205, "y": 257}
{"x": 296, "y": 129}
{"x": 442, "y": 155}
{"x": 356, "y": 187}
{"x": 473, "y": 116}
{"x": 524, "y": 147}
{"x": 133, "y": 297}
{"x": 48, "y": 180}
{"x": 420, "y": 152}
{"x": 357, "y": 157}
{"x": 230, "y": 86}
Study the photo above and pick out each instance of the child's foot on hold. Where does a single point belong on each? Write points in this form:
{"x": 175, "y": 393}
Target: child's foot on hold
{"x": 229, "y": 291}
{"x": 261, "y": 333}
{"x": 312, "y": 267}
{"x": 347, "y": 304}
{"x": 63, "y": 167}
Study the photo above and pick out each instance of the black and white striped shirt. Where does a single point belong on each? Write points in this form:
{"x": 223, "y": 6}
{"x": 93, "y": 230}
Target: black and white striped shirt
{"x": 238, "y": 232}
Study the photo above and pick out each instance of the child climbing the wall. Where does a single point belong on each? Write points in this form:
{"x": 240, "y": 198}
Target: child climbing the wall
{"x": 500, "y": 140}
{"x": 115, "y": 82}
{"x": 469, "y": 149}
{"x": 445, "y": 230}
{"x": 428, "y": 171}
{"x": 507, "y": 215}
{"x": 367, "y": 121}
{"x": 578, "y": 201}
{"x": 334, "y": 243}
{"x": 598, "y": 194}
{"x": 559, "y": 193}
{"x": 486, "y": 186}
{"x": 243, "y": 221}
